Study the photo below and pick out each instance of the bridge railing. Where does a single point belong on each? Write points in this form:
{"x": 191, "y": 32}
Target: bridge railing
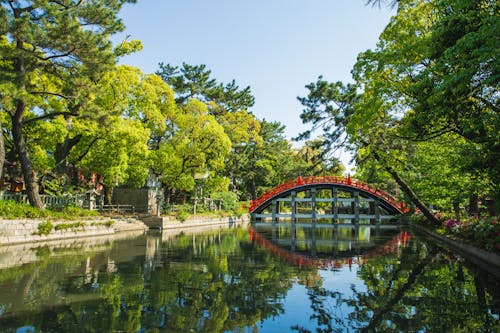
{"x": 311, "y": 180}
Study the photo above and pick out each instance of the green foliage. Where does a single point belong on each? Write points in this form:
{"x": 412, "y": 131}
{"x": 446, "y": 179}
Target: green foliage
{"x": 45, "y": 228}
{"x": 65, "y": 226}
{"x": 423, "y": 108}
{"x": 10, "y": 209}
{"x": 191, "y": 81}
{"x": 50, "y": 61}
{"x": 183, "y": 212}
{"x": 229, "y": 200}
{"x": 78, "y": 212}
{"x": 483, "y": 233}
{"x": 196, "y": 143}
{"x": 241, "y": 208}
{"x": 108, "y": 224}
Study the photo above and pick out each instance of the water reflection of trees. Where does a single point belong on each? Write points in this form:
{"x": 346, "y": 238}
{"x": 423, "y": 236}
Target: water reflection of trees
{"x": 228, "y": 284}
{"x": 203, "y": 283}
{"x": 416, "y": 290}
{"x": 221, "y": 282}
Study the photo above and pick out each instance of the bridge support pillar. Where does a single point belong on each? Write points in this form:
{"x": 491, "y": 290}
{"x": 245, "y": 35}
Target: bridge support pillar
{"x": 274, "y": 218}
{"x": 356, "y": 207}
{"x": 336, "y": 239}
{"x": 335, "y": 207}
{"x": 274, "y": 212}
{"x": 294, "y": 214}
{"x": 313, "y": 208}
{"x": 313, "y": 218}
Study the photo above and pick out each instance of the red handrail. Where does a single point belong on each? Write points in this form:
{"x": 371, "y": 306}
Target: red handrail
{"x": 335, "y": 180}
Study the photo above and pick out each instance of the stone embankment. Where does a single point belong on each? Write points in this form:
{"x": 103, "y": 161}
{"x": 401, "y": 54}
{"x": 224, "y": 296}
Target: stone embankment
{"x": 168, "y": 223}
{"x": 28, "y": 230}
{"x": 12, "y": 255}
{"x": 486, "y": 260}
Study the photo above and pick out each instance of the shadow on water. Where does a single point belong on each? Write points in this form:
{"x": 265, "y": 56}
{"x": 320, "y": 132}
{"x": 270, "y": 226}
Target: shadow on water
{"x": 247, "y": 280}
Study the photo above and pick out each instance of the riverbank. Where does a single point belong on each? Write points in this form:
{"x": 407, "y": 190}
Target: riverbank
{"x": 18, "y": 231}
{"x": 488, "y": 261}
{"x": 166, "y": 223}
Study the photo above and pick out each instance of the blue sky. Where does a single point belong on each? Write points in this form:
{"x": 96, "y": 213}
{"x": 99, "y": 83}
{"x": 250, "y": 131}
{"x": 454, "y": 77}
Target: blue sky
{"x": 274, "y": 46}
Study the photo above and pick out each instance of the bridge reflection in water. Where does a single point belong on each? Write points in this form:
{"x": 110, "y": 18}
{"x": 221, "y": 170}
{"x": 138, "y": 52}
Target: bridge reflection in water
{"x": 330, "y": 248}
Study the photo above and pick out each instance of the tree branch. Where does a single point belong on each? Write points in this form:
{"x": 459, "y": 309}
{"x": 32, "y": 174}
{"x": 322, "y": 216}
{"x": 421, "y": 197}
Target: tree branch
{"x": 49, "y": 93}
{"x": 57, "y": 55}
{"x": 59, "y": 3}
{"x": 88, "y": 149}
{"x": 49, "y": 116}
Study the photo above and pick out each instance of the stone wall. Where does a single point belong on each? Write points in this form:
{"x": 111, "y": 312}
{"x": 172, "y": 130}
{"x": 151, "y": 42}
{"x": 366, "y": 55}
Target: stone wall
{"x": 167, "y": 222}
{"x": 23, "y": 231}
{"x": 144, "y": 200}
{"x": 12, "y": 255}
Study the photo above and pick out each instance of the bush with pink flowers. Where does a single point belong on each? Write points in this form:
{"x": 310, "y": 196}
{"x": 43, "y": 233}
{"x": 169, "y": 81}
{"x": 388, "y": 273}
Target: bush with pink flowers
{"x": 483, "y": 233}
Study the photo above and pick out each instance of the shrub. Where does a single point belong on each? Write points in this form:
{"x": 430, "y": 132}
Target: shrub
{"x": 10, "y": 209}
{"x": 183, "y": 212}
{"x": 73, "y": 211}
{"x": 107, "y": 223}
{"x": 64, "y": 226}
{"x": 45, "y": 228}
{"x": 241, "y": 208}
{"x": 229, "y": 200}
{"x": 483, "y": 233}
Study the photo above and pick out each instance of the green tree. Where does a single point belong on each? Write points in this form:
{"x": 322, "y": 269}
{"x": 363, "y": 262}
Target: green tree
{"x": 55, "y": 50}
{"x": 194, "y": 142}
{"x": 411, "y": 101}
{"x": 195, "y": 81}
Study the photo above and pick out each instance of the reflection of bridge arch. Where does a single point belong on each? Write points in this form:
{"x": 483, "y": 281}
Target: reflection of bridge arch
{"x": 362, "y": 201}
{"x": 400, "y": 240}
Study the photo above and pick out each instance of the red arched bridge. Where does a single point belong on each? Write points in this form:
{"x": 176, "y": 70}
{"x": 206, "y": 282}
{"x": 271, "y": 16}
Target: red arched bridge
{"x": 338, "y": 198}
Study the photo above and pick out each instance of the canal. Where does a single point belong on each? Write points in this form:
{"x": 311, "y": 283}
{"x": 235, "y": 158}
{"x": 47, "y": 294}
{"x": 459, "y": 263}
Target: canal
{"x": 265, "y": 279}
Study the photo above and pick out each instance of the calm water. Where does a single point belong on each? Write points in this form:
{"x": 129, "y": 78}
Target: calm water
{"x": 246, "y": 280}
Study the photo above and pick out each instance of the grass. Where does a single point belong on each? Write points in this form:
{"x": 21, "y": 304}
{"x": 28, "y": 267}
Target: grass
{"x": 17, "y": 210}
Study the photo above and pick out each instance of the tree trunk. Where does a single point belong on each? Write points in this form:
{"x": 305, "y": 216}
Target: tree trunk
{"x": 408, "y": 191}
{"x": 2, "y": 152}
{"x": 473, "y": 205}
{"x": 456, "y": 209}
{"x": 24, "y": 158}
{"x": 17, "y": 115}
{"x": 62, "y": 152}
{"x": 108, "y": 195}
{"x": 413, "y": 197}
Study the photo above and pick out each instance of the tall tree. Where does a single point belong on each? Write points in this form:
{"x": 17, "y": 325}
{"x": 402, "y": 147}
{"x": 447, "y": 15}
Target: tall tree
{"x": 194, "y": 143}
{"x": 50, "y": 42}
{"x": 337, "y": 110}
{"x": 195, "y": 81}
{"x": 431, "y": 80}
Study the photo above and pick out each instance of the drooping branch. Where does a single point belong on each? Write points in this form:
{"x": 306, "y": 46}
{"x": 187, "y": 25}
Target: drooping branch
{"x": 406, "y": 189}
